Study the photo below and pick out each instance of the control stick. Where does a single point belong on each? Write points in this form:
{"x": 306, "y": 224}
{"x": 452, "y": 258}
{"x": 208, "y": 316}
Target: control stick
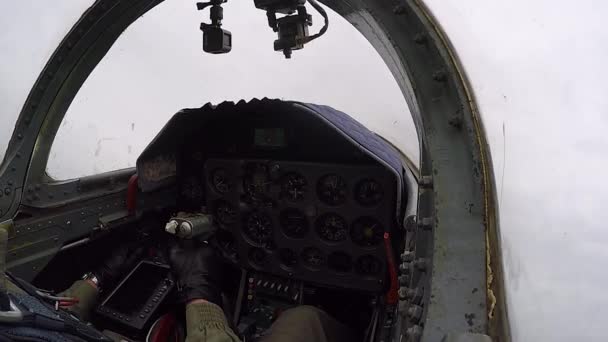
{"x": 189, "y": 226}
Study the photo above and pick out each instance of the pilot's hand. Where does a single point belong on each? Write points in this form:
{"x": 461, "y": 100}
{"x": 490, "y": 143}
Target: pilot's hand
{"x": 120, "y": 261}
{"x": 198, "y": 271}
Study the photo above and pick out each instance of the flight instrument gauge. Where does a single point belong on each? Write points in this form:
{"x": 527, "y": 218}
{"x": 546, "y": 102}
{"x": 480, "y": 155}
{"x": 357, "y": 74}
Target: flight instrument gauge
{"x": 191, "y": 189}
{"x": 331, "y": 227}
{"x": 227, "y": 244}
{"x": 288, "y": 257}
{"x": 293, "y": 187}
{"x": 220, "y": 181}
{"x": 225, "y": 212}
{"x": 313, "y": 257}
{"x": 368, "y": 265}
{"x": 331, "y": 189}
{"x": 368, "y": 193}
{"x": 366, "y": 232}
{"x": 256, "y": 182}
{"x": 258, "y": 228}
{"x": 340, "y": 262}
{"x": 258, "y": 256}
{"x": 294, "y": 223}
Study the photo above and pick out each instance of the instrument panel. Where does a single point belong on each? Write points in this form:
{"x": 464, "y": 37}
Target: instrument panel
{"x": 318, "y": 222}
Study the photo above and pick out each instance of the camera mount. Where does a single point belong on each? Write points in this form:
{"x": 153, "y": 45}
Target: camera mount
{"x": 292, "y": 29}
{"x": 215, "y": 39}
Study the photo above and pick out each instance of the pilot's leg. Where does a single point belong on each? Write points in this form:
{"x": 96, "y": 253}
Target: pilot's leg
{"x": 307, "y": 324}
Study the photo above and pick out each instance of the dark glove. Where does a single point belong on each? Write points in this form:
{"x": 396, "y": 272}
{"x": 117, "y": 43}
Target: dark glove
{"x": 113, "y": 268}
{"x": 198, "y": 272}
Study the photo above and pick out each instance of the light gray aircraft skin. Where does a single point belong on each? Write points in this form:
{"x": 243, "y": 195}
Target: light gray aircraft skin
{"x": 510, "y": 110}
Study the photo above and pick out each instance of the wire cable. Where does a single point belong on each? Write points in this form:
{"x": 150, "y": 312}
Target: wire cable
{"x": 323, "y": 13}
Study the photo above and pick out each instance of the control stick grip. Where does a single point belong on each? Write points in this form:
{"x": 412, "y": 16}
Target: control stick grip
{"x": 188, "y": 226}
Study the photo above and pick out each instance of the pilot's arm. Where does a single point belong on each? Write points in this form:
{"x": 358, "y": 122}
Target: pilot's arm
{"x": 106, "y": 276}
{"x": 198, "y": 270}
{"x": 87, "y": 293}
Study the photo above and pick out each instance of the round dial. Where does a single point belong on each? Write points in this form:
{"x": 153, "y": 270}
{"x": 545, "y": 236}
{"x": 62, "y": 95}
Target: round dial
{"x": 227, "y": 244}
{"x": 256, "y": 182}
{"x": 258, "y": 256}
{"x": 293, "y": 186}
{"x": 313, "y": 257}
{"x": 340, "y": 262}
{"x": 288, "y": 257}
{"x": 368, "y": 193}
{"x": 225, "y": 212}
{"x": 294, "y": 223}
{"x": 258, "y": 228}
{"x": 331, "y": 227}
{"x": 366, "y": 232}
{"x": 368, "y": 265}
{"x": 331, "y": 189}
{"x": 220, "y": 181}
{"x": 191, "y": 189}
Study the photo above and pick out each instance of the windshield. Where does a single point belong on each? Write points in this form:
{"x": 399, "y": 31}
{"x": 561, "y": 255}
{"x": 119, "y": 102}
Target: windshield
{"x": 40, "y": 28}
{"x": 157, "y": 67}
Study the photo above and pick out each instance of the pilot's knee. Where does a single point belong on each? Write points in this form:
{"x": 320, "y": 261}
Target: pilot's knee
{"x": 304, "y": 316}
{"x": 304, "y": 312}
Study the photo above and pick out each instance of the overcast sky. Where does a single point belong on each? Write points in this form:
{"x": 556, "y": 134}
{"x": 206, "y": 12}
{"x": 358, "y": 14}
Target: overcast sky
{"x": 537, "y": 69}
{"x": 158, "y": 67}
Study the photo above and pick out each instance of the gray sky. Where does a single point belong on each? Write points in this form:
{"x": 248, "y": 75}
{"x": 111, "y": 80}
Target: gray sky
{"x": 30, "y": 34}
{"x": 158, "y": 67}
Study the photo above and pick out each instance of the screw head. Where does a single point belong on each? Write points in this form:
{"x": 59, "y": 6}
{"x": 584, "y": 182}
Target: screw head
{"x": 414, "y": 295}
{"x": 420, "y": 38}
{"x": 421, "y": 264}
{"x": 414, "y": 332}
{"x": 426, "y": 223}
{"x": 456, "y": 121}
{"x": 414, "y": 312}
{"x": 402, "y": 293}
{"x": 400, "y": 9}
{"x": 426, "y": 181}
{"x": 405, "y": 267}
{"x": 440, "y": 76}
{"x": 407, "y": 256}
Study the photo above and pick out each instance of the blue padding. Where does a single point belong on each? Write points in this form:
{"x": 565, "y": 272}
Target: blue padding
{"x": 367, "y": 139}
{"x": 359, "y": 133}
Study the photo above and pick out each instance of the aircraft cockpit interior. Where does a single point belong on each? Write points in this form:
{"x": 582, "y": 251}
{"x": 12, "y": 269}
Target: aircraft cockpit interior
{"x": 298, "y": 204}
{"x": 301, "y": 202}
